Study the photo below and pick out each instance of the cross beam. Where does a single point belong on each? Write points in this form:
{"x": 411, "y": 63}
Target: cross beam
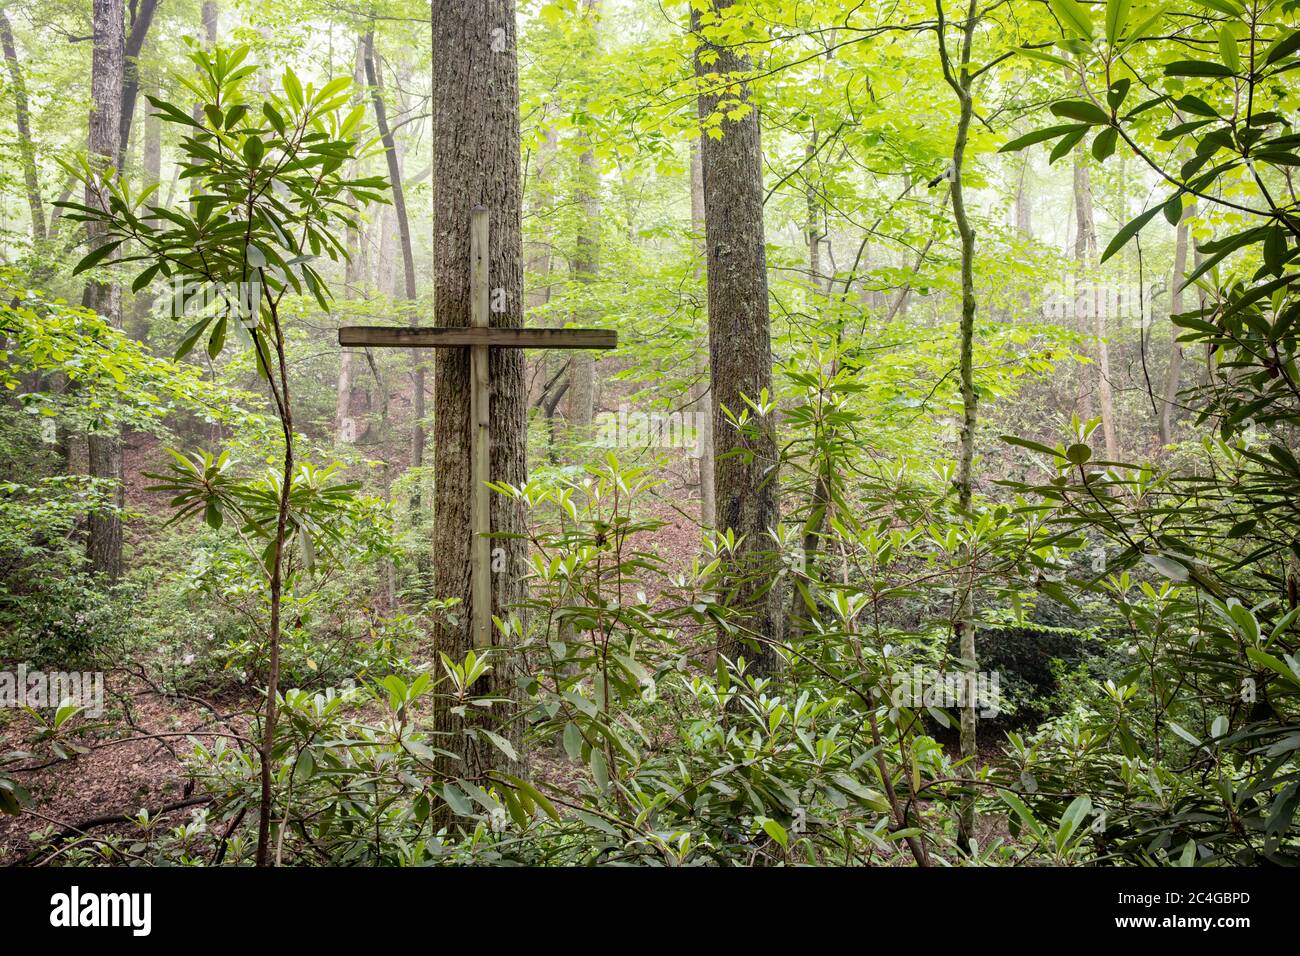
{"x": 478, "y": 337}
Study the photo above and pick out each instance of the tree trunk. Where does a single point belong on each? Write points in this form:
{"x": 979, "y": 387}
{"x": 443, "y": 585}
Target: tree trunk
{"x": 746, "y": 479}
{"x": 353, "y": 268}
{"x": 1086, "y": 299}
{"x": 537, "y": 259}
{"x": 582, "y": 369}
{"x": 476, "y": 163}
{"x": 104, "y": 544}
{"x": 813, "y": 230}
{"x": 26, "y": 148}
{"x": 134, "y": 44}
{"x": 1023, "y": 208}
{"x": 408, "y": 257}
{"x": 703, "y": 406}
{"x": 1174, "y": 374}
{"x": 960, "y": 80}
{"x": 151, "y": 172}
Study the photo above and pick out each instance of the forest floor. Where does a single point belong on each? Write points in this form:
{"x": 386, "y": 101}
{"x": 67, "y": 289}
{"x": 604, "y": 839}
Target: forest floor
{"x": 136, "y": 751}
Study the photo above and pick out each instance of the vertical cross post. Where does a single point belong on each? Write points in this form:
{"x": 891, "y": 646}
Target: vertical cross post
{"x": 480, "y": 338}
{"x": 480, "y": 435}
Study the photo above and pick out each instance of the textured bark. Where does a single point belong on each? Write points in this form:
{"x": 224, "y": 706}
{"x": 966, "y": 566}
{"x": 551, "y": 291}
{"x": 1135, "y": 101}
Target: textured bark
{"x": 1174, "y": 374}
{"x": 537, "y": 258}
{"x": 960, "y": 80}
{"x": 476, "y": 162}
{"x": 211, "y": 14}
{"x": 150, "y": 172}
{"x": 1023, "y": 208}
{"x": 582, "y": 366}
{"x": 26, "y": 148}
{"x": 582, "y": 370}
{"x": 134, "y": 44}
{"x": 813, "y": 230}
{"x": 702, "y": 407}
{"x": 1086, "y": 304}
{"x": 408, "y": 257}
{"x": 345, "y": 426}
{"x": 740, "y": 353}
{"x": 353, "y": 269}
{"x": 104, "y": 543}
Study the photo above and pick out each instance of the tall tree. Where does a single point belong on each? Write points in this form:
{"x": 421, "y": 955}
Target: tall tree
{"x": 141, "y": 19}
{"x": 26, "y": 148}
{"x": 582, "y": 370}
{"x": 1175, "y": 371}
{"x": 958, "y": 75}
{"x": 476, "y": 161}
{"x": 151, "y": 172}
{"x": 104, "y": 543}
{"x": 408, "y": 256}
{"x": 586, "y": 196}
{"x": 700, "y": 394}
{"x": 1087, "y": 305}
{"x": 740, "y": 353}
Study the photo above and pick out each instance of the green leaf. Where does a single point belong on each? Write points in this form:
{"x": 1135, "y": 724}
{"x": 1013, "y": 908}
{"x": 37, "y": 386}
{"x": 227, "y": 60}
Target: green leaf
{"x": 1117, "y": 12}
{"x": 1265, "y": 659}
{"x": 1166, "y": 566}
{"x": 1074, "y": 16}
{"x": 1067, "y": 143}
{"x": 1184, "y": 734}
{"x": 573, "y": 741}
{"x": 1229, "y": 7}
{"x": 1228, "y": 48}
{"x": 776, "y": 832}
{"x": 1141, "y": 29}
{"x": 1173, "y": 209}
{"x": 1037, "y": 136}
{"x": 1044, "y": 56}
{"x": 1104, "y": 143}
{"x": 97, "y": 255}
{"x": 1130, "y": 230}
{"x": 457, "y": 800}
{"x": 217, "y": 341}
{"x": 1197, "y": 68}
{"x": 191, "y": 337}
{"x": 599, "y": 769}
{"x": 1282, "y": 47}
{"x": 254, "y": 149}
{"x": 1081, "y": 110}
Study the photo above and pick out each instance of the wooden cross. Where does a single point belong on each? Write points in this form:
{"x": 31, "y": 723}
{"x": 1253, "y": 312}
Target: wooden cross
{"x": 478, "y": 337}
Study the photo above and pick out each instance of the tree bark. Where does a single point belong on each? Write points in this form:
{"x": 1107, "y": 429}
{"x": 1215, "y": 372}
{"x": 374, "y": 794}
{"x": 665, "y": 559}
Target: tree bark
{"x": 134, "y": 44}
{"x": 537, "y": 259}
{"x": 813, "y": 229}
{"x": 477, "y": 163}
{"x": 26, "y": 148}
{"x": 582, "y": 370}
{"x": 1175, "y": 371}
{"x": 354, "y": 268}
{"x": 151, "y": 172}
{"x": 1086, "y": 300}
{"x": 703, "y": 405}
{"x": 960, "y": 80}
{"x": 104, "y": 543}
{"x": 408, "y": 257}
{"x": 746, "y": 465}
